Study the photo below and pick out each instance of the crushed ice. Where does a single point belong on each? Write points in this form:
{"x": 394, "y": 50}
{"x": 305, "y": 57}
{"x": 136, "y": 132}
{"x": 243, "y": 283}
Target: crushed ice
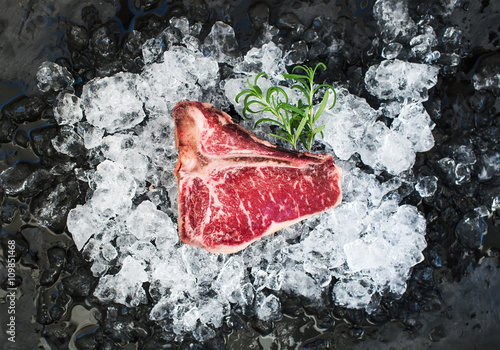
{"x": 368, "y": 244}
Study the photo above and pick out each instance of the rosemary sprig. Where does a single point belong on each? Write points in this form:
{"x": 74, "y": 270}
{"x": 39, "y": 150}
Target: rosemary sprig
{"x": 295, "y": 121}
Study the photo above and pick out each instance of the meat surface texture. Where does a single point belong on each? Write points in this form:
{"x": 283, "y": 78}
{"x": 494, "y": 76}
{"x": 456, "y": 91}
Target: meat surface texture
{"x": 235, "y": 188}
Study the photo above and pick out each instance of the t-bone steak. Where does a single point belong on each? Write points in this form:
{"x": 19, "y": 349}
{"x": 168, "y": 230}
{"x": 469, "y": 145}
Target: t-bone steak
{"x": 235, "y": 188}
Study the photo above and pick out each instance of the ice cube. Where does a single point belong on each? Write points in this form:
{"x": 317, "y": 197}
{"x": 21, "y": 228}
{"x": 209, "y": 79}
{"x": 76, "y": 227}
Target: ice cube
{"x": 231, "y": 277}
{"x": 482, "y": 211}
{"x": 68, "y": 109}
{"x": 68, "y": 142}
{"x": 396, "y": 79}
{"x": 462, "y": 173}
{"x": 394, "y": 20}
{"x": 265, "y": 59}
{"x": 427, "y": 186}
{"x": 296, "y": 55}
{"x": 415, "y": 124}
{"x": 83, "y": 222}
{"x": 113, "y": 103}
{"x": 346, "y": 123}
{"x": 422, "y": 45}
{"x": 193, "y": 290}
{"x": 160, "y": 310}
{"x": 115, "y": 188}
{"x": 464, "y": 154}
{"x": 152, "y": 50}
{"x": 486, "y": 80}
{"x": 384, "y": 148}
{"x": 182, "y": 24}
{"x": 489, "y": 166}
{"x": 147, "y": 223}
{"x": 126, "y": 286}
{"x": 213, "y": 312}
{"x": 391, "y": 50}
{"x": 269, "y": 308}
{"x": 143, "y": 251}
{"x": 362, "y": 254}
{"x": 471, "y": 229}
{"x": 495, "y": 203}
{"x": 52, "y": 76}
{"x": 353, "y": 292}
{"x": 92, "y": 136}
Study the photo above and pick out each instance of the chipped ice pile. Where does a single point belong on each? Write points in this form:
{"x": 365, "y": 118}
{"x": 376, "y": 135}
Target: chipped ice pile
{"x": 353, "y": 125}
{"x": 127, "y": 226}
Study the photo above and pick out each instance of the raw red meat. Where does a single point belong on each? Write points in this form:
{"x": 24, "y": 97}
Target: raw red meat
{"x": 235, "y": 188}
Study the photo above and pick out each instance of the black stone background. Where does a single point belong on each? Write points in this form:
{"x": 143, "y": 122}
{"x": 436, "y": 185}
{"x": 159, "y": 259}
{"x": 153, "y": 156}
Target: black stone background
{"x": 452, "y": 299}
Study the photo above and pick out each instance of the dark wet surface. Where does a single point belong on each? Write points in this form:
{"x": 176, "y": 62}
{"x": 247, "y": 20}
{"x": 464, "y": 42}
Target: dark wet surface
{"x": 452, "y": 300}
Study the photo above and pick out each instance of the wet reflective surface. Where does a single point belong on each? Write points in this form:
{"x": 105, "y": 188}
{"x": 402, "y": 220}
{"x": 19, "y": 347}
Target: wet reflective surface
{"x": 451, "y": 298}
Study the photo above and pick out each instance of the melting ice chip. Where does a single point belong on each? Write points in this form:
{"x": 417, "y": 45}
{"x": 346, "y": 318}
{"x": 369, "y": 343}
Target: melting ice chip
{"x": 471, "y": 229}
{"x": 68, "y": 142}
{"x": 262, "y": 59}
{"x": 52, "y": 76}
{"x": 113, "y": 103}
{"x": 416, "y": 125}
{"x": 427, "y": 186}
{"x": 186, "y": 71}
{"x": 220, "y": 43}
{"x": 486, "y": 82}
{"x": 130, "y": 278}
{"x": 394, "y": 19}
{"x": 82, "y": 224}
{"x": 269, "y": 308}
{"x": 352, "y": 127}
{"x": 146, "y": 222}
{"x": 395, "y": 79}
{"x": 68, "y": 109}
{"x": 392, "y": 50}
